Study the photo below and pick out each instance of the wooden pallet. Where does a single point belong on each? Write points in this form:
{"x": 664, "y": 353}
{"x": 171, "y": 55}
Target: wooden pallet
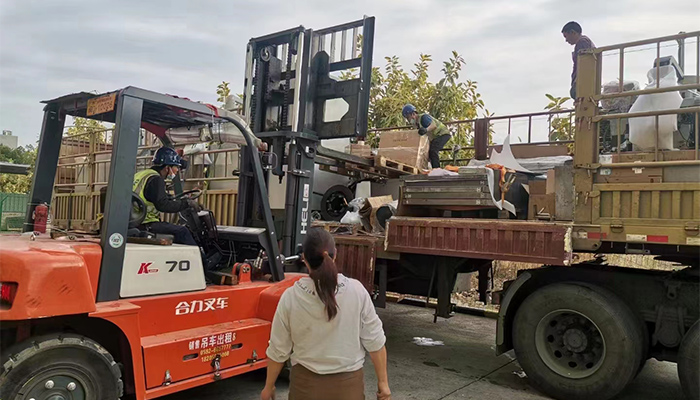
{"x": 355, "y": 170}
{"x": 337, "y": 227}
{"x": 383, "y": 162}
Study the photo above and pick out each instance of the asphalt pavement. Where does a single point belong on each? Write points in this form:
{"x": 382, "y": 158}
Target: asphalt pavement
{"x": 465, "y": 367}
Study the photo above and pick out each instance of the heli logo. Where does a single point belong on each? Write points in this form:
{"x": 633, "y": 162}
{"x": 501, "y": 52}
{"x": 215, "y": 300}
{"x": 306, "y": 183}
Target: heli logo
{"x": 305, "y": 210}
{"x": 145, "y": 268}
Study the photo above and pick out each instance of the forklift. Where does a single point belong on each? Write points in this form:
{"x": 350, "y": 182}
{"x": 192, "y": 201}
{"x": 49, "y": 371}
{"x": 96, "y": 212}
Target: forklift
{"x": 127, "y": 314}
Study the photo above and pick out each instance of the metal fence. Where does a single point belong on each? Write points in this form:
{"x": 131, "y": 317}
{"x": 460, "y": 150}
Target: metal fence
{"x": 12, "y": 209}
{"x": 83, "y": 170}
{"x": 532, "y": 130}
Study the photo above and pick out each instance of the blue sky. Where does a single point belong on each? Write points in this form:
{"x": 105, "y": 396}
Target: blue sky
{"x": 514, "y": 49}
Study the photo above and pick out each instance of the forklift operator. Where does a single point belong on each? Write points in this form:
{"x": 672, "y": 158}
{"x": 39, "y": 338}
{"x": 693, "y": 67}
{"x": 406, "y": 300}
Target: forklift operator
{"x": 149, "y": 185}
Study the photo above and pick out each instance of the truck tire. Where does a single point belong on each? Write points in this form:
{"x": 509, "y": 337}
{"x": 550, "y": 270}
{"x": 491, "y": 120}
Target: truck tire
{"x": 689, "y": 362}
{"x": 59, "y": 366}
{"x": 578, "y": 341}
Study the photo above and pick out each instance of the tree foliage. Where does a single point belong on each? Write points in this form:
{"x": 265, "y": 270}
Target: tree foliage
{"x": 448, "y": 99}
{"x": 21, "y": 155}
{"x": 83, "y": 128}
{"x": 223, "y": 91}
{"x": 561, "y": 128}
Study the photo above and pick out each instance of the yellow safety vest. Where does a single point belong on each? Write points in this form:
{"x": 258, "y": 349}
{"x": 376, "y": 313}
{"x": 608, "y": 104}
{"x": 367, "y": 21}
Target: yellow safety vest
{"x": 140, "y": 179}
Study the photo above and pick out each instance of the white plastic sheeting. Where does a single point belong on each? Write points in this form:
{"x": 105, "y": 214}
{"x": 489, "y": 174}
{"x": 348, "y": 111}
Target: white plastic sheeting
{"x": 643, "y": 129}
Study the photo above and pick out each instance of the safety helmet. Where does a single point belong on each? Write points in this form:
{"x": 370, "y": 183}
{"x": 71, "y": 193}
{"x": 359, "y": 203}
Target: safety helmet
{"x": 408, "y": 109}
{"x": 166, "y": 156}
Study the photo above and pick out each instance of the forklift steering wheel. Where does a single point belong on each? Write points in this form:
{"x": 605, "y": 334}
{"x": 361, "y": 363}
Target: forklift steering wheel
{"x": 192, "y": 194}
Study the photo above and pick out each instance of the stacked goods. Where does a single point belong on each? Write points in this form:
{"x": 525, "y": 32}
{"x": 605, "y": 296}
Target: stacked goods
{"x": 359, "y": 149}
{"x": 449, "y": 192}
{"x": 404, "y": 147}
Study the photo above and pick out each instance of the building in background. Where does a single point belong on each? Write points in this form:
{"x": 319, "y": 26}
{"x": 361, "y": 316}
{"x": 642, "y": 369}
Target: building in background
{"x": 8, "y": 139}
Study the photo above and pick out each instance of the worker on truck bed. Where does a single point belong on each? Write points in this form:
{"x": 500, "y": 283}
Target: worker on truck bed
{"x": 149, "y": 185}
{"x": 572, "y": 34}
{"x": 437, "y": 132}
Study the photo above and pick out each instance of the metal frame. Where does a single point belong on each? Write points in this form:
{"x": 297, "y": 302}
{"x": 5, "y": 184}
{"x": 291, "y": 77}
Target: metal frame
{"x": 128, "y": 116}
{"x": 268, "y": 90}
{"x": 587, "y": 165}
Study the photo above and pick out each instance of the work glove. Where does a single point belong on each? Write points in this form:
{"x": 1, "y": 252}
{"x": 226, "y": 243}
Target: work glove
{"x": 422, "y": 131}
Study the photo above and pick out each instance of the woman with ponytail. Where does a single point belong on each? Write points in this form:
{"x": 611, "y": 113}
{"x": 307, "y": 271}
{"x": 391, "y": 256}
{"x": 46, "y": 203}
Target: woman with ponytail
{"x": 325, "y": 323}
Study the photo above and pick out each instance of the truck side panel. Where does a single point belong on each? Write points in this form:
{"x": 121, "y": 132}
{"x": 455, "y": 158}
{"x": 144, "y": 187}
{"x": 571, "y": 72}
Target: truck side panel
{"x": 533, "y": 242}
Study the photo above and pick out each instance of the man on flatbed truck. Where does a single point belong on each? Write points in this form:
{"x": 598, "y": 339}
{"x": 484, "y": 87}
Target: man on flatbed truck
{"x": 573, "y": 34}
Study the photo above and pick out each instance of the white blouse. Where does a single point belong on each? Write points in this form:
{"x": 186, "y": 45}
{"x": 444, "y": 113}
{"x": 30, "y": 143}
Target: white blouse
{"x": 301, "y": 328}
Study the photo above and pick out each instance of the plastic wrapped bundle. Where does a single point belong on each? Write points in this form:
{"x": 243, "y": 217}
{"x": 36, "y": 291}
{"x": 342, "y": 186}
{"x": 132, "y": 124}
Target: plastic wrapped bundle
{"x": 619, "y": 104}
{"x": 643, "y": 129}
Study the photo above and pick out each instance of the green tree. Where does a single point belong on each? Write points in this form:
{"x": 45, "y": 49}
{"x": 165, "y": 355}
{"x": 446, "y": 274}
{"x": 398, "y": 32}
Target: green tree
{"x": 449, "y": 99}
{"x": 83, "y": 128}
{"x": 21, "y": 155}
{"x": 223, "y": 91}
{"x": 561, "y": 128}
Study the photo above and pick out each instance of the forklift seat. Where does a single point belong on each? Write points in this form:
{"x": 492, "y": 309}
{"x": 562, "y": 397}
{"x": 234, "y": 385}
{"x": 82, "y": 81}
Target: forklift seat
{"x": 133, "y": 233}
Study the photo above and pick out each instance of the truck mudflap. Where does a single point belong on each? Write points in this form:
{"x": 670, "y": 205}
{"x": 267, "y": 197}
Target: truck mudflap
{"x": 506, "y": 240}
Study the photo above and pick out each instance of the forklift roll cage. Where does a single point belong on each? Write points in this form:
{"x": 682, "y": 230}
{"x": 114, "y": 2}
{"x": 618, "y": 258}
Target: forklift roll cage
{"x": 130, "y": 109}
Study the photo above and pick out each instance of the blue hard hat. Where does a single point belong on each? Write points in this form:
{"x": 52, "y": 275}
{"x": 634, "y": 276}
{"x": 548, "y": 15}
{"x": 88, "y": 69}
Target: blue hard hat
{"x": 166, "y": 156}
{"x": 408, "y": 109}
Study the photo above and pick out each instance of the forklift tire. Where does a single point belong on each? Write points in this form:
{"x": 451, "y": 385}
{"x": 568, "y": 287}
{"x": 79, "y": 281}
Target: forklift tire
{"x": 59, "y": 366}
{"x": 334, "y": 202}
{"x": 689, "y": 362}
{"x": 578, "y": 341}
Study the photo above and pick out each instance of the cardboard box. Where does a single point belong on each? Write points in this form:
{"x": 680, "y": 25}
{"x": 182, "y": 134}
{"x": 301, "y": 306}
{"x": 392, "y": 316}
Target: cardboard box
{"x": 630, "y": 175}
{"x": 538, "y": 186}
{"x": 665, "y": 155}
{"x": 407, "y": 147}
{"x": 359, "y": 149}
{"x": 678, "y": 155}
{"x": 551, "y": 182}
{"x": 631, "y": 156}
{"x": 368, "y": 212}
{"x": 541, "y": 204}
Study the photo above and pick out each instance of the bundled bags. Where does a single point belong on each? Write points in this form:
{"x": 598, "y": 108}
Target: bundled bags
{"x": 353, "y": 214}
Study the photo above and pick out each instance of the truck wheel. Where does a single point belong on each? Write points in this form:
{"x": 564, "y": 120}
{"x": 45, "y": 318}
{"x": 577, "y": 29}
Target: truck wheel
{"x": 689, "y": 362}
{"x": 578, "y": 342}
{"x": 59, "y": 367}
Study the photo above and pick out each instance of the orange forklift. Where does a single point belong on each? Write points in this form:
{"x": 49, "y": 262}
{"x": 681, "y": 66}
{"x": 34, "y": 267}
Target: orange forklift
{"x": 128, "y": 314}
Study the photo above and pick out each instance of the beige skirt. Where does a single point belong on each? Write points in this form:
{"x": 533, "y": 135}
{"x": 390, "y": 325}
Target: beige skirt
{"x": 307, "y": 385}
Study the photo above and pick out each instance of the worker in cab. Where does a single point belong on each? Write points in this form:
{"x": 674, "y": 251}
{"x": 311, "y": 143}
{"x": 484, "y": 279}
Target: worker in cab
{"x": 573, "y": 35}
{"x": 437, "y": 132}
{"x": 149, "y": 185}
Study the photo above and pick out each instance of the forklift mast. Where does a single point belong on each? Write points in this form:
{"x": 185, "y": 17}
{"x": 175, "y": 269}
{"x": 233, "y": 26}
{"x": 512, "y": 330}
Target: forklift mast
{"x": 289, "y": 76}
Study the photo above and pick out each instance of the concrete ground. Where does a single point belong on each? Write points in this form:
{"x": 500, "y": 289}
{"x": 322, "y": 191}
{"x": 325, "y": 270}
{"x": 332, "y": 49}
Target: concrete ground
{"x": 464, "y": 368}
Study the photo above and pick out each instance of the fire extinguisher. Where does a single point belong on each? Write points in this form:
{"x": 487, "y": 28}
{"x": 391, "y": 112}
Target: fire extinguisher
{"x": 41, "y": 216}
